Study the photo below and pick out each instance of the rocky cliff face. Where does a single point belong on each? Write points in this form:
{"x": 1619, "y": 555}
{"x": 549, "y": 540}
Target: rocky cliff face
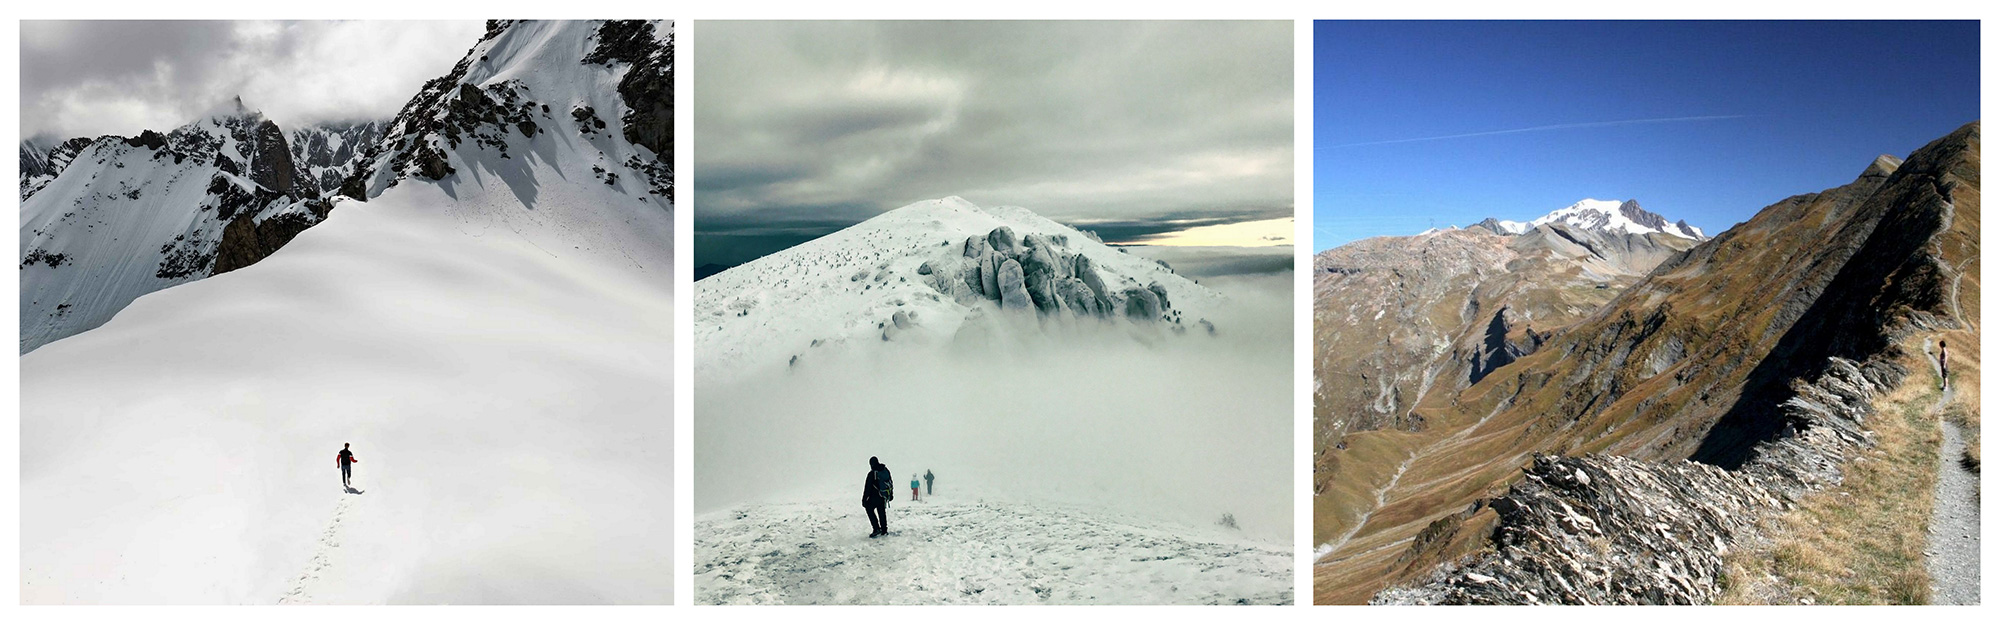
{"x": 1601, "y": 529}
{"x": 328, "y": 152}
{"x": 1705, "y": 359}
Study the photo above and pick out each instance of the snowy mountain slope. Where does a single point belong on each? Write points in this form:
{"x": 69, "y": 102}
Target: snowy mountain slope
{"x": 949, "y": 549}
{"x": 41, "y": 163}
{"x": 506, "y": 407}
{"x": 496, "y": 344}
{"x": 328, "y": 151}
{"x": 525, "y": 118}
{"x": 937, "y": 271}
{"x": 129, "y": 216}
{"x": 549, "y": 93}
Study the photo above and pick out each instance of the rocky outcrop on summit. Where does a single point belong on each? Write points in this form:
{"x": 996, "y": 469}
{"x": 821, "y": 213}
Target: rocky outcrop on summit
{"x": 1701, "y": 360}
{"x": 1045, "y": 274}
{"x": 1603, "y": 529}
{"x": 128, "y": 216}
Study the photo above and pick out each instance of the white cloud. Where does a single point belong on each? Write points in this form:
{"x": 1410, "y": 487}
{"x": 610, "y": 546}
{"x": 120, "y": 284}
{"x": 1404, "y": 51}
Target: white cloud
{"x": 93, "y": 78}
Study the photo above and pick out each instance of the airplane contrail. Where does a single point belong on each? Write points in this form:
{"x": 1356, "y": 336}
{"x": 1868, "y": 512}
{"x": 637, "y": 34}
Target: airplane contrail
{"x": 1622, "y": 122}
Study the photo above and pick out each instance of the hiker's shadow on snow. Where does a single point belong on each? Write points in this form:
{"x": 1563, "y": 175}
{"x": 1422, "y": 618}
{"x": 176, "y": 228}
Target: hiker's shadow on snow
{"x": 354, "y": 491}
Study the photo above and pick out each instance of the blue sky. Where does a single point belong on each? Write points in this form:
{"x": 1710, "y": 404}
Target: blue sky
{"x": 1738, "y": 115}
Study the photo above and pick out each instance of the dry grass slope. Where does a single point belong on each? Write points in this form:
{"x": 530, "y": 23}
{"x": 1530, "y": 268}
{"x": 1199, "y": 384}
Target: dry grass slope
{"x": 1862, "y": 542}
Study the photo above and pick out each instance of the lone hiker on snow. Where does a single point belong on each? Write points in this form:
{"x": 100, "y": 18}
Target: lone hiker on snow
{"x": 876, "y": 491}
{"x": 930, "y": 485}
{"x": 346, "y": 462}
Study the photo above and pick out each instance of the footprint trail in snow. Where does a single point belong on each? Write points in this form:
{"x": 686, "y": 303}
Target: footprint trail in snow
{"x": 979, "y": 553}
{"x": 322, "y": 555}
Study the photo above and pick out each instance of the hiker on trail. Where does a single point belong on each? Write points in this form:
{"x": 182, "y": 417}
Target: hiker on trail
{"x": 876, "y": 491}
{"x": 930, "y": 485}
{"x": 913, "y": 487}
{"x": 1944, "y": 376}
{"x": 345, "y": 460}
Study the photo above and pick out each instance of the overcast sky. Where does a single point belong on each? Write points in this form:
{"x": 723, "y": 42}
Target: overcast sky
{"x": 1127, "y": 128}
{"x": 89, "y": 78}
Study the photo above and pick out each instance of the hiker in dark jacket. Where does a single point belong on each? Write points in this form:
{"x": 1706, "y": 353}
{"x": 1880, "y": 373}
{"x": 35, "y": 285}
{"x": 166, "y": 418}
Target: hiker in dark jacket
{"x": 930, "y": 484}
{"x": 876, "y": 491}
{"x": 345, "y": 460}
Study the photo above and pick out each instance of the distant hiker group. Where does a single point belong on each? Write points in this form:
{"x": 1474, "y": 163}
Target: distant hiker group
{"x": 879, "y": 488}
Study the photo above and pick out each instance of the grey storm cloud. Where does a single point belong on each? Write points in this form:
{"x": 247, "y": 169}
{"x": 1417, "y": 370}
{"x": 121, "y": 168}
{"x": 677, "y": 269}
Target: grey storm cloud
{"x": 802, "y": 128}
{"x": 88, "y": 78}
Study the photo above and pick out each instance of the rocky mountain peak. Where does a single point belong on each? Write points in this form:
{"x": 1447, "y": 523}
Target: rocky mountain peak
{"x": 1882, "y": 167}
{"x": 499, "y": 98}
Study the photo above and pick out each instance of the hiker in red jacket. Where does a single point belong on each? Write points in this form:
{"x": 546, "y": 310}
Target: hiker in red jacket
{"x": 345, "y": 459}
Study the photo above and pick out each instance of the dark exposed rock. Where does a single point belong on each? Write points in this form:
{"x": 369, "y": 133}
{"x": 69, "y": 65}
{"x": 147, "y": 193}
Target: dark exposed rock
{"x": 1616, "y": 530}
{"x": 245, "y": 241}
{"x": 149, "y": 140}
{"x": 1501, "y": 345}
{"x": 1142, "y": 305}
{"x": 44, "y": 257}
{"x": 647, "y": 89}
{"x": 270, "y": 159}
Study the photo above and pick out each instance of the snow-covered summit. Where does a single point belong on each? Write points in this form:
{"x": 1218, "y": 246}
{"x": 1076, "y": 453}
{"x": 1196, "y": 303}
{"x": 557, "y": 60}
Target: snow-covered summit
{"x": 520, "y": 96}
{"x": 931, "y": 271}
{"x": 120, "y": 217}
{"x": 1613, "y": 216}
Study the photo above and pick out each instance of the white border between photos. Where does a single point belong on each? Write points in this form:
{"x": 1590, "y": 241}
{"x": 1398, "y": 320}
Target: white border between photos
{"x": 684, "y": 15}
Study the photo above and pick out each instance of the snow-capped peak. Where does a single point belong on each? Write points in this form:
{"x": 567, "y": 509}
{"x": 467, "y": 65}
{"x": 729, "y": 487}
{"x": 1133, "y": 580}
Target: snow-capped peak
{"x": 1616, "y": 217}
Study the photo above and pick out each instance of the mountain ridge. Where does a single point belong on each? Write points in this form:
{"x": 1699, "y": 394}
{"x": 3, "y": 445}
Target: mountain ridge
{"x": 1695, "y": 361}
